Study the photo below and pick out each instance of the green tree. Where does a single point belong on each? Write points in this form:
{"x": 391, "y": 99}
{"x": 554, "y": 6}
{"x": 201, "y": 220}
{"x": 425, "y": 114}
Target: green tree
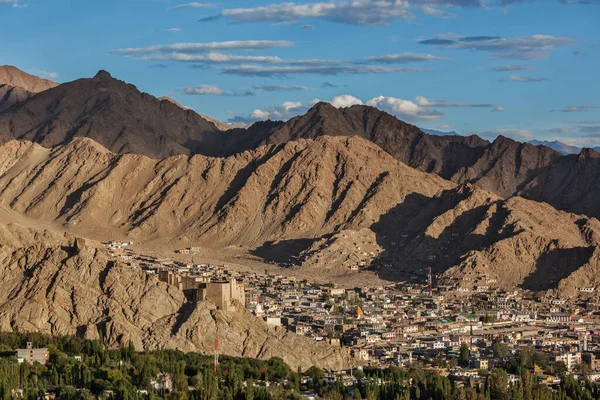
{"x": 465, "y": 354}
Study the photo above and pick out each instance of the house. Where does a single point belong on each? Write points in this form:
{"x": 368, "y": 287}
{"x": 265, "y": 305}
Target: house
{"x": 570, "y": 359}
{"x": 560, "y": 317}
{"x": 480, "y": 364}
{"x": 31, "y": 355}
{"x": 162, "y": 382}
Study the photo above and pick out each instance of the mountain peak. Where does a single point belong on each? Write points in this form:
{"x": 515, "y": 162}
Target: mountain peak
{"x": 103, "y": 74}
{"x": 12, "y": 76}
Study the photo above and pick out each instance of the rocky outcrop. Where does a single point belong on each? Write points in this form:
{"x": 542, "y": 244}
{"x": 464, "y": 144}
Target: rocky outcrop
{"x": 64, "y": 286}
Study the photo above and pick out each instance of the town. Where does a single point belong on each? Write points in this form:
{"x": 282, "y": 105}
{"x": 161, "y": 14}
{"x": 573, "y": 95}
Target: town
{"x": 463, "y": 333}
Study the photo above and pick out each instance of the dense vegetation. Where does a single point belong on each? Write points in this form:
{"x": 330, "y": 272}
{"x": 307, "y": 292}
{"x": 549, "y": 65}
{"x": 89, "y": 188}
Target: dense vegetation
{"x": 126, "y": 374}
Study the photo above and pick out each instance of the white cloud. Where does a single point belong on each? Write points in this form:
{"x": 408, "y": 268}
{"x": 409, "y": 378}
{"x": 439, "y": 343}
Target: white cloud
{"x": 587, "y": 107}
{"x": 205, "y": 47}
{"x": 422, "y": 101}
{"x": 405, "y": 58}
{"x": 521, "y": 135}
{"x": 420, "y": 110}
{"x": 203, "y": 90}
{"x": 353, "y": 12}
{"x": 345, "y": 100}
{"x": 15, "y": 3}
{"x": 509, "y": 68}
{"x": 50, "y": 75}
{"x": 436, "y": 12}
{"x": 518, "y": 47}
{"x": 520, "y": 78}
{"x": 278, "y": 88}
{"x": 195, "y": 5}
{"x": 173, "y": 30}
{"x": 271, "y": 71}
{"x": 282, "y": 111}
{"x": 404, "y": 109}
{"x": 260, "y": 115}
{"x": 213, "y": 58}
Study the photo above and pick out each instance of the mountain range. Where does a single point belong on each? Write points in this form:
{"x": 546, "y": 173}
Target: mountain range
{"x": 321, "y": 192}
{"x": 561, "y": 147}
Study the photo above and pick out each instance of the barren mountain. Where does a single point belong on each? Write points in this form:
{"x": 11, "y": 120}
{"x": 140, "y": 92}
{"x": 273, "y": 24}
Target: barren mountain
{"x": 220, "y": 125}
{"x": 125, "y": 120}
{"x": 504, "y": 166}
{"x": 111, "y": 112}
{"x": 64, "y": 286}
{"x": 10, "y": 95}
{"x": 571, "y": 183}
{"x": 296, "y": 190}
{"x": 17, "y": 86}
{"x": 14, "y": 77}
{"x": 476, "y": 238}
{"x": 326, "y": 204}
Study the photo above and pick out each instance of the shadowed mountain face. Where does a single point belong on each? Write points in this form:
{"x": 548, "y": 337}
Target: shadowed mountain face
{"x": 109, "y": 111}
{"x": 17, "y": 86}
{"x": 309, "y": 191}
{"x": 124, "y": 120}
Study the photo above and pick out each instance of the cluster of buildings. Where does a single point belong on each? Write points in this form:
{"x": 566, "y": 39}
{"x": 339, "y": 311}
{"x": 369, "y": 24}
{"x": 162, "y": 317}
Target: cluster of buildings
{"x": 400, "y": 324}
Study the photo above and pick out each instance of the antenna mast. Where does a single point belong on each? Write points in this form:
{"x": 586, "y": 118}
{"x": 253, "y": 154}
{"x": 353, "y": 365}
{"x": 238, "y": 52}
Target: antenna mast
{"x": 430, "y": 280}
{"x": 216, "y": 355}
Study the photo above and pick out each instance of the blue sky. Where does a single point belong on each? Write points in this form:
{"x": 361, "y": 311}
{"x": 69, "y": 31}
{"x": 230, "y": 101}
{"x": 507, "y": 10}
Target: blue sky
{"x": 522, "y": 68}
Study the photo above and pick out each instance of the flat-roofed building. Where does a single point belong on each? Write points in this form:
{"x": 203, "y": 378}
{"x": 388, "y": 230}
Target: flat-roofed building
{"x": 31, "y": 355}
{"x": 224, "y": 295}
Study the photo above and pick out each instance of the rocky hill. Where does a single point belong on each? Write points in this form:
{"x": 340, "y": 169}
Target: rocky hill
{"x": 296, "y": 190}
{"x": 111, "y": 112}
{"x": 326, "y": 191}
{"x": 14, "y": 77}
{"x": 474, "y": 237}
{"x": 125, "y": 121}
{"x": 17, "y": 86}
{"x": 10, "y": 95}
{"x": 61, "y": 286}
{"x": 505, "y": 167}
{"x": 312, "y": 203}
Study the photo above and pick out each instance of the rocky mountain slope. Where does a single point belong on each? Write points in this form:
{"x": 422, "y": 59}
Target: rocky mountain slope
{"x": 14, "y": 77}
{"x": 218, "y": 124}
{"x": 561, "y": 147}
{"x": 474, "y": 237}
{"x": 111, "y": 112}
{"x": 325, "y": 204}
{"x": 17, "y": 86}
{"x": 64, "y": 286}
{"x": 10, "y": 95}
{"x": 291, "y": 191}
{"x": 125, "y": 120}
{"x": 504, "y": 166}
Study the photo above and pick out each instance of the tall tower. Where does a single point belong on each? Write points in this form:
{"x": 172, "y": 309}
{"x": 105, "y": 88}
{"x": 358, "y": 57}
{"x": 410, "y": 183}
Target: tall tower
{"x": 430, "y": 281}
{"x": 216, "y": 355}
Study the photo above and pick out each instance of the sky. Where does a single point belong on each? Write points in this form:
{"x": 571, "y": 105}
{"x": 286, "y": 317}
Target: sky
{"x": 520, "y": 68}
